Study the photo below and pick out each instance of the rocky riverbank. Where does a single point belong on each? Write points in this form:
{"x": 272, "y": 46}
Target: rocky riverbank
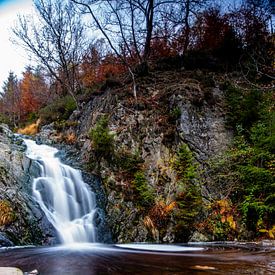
{"x": 21, "y": 220}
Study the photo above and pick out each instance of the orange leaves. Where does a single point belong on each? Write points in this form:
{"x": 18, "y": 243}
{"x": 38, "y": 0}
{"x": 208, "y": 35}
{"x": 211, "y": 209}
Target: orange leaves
{"x": 160, "y": 212}
{"x": 95, "y": 69}
{"x": 28, "y": 101}
{"x": 70, "y": 138}
{"x": 221, "y": 222}
{"x": 31, "y": 129}
{"x": 7, "y": 215}
{"x": 224, "y": 209}
{"x": 158, "y": 216}
{"x": 33, "y": 92}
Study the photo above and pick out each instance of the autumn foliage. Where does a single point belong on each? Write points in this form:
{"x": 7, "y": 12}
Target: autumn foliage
{"x": 33, "y": 91}
{"x": 7, "y": 214}
{"x": 238, "y": 39}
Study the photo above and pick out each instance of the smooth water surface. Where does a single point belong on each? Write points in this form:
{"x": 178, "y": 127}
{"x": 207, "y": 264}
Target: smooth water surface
{"x": 108, "y": 259}
{"x": 62, "y": 194}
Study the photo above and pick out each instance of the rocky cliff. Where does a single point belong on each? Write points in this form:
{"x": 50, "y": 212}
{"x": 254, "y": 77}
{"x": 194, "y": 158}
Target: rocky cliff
{"x": 176, "y": 124}
{"x": 160, "y": 164}
{"x": 21, "y": 220}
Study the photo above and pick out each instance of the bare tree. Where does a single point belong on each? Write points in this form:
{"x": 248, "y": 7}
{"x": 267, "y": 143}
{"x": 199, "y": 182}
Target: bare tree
{"x": 128, "y": 27}
{"x": 56, "y": 40}
{"x": 182, "y": 14}
{"x": 127, "y": 23}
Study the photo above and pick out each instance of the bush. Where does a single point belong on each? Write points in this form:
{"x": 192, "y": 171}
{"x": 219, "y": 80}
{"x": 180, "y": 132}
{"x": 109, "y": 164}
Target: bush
{"x": 58, "y": 110}
{"x": 4, "y": 119}
{"x": 128, "y": 162}
{"x": 102, "y": 139}
{"x": 246, "y": 170}
{"x": 243, "y": 106}
{"x": 188, "y": 197}
{"x": 145, "y": 192}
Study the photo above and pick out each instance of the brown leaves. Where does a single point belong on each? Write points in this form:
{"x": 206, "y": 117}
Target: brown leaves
{"x": 160, "y": 212}
{"x": 7, "y": 215}
{"x": 33, "y": 92}
{"x": 31, "y": 129}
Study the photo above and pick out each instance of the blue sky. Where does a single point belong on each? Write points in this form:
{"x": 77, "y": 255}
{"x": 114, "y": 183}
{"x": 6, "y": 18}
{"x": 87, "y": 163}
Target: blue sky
{"x": 9, "y": 2}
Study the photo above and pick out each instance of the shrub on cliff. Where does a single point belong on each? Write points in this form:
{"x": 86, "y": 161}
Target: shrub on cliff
{"x": 7, "y": 214}
{"x": 145, "y": 192}
{"x": 188, "y": 196}
{"x": 243, "y": 106}
{"x": 58, "y": 110}
{"x": 102, "y": 139}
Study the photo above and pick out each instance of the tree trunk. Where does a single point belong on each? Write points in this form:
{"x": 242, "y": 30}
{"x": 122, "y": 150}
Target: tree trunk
{"x": 149, "y": 29}
{"x": 187, "y": 26}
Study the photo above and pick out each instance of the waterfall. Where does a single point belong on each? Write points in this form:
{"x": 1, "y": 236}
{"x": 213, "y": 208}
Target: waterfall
{"x": 62, "y": 194}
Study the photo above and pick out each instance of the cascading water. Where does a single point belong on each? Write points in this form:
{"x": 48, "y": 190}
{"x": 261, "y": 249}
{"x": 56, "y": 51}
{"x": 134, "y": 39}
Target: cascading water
{"x": 64, "y": 197}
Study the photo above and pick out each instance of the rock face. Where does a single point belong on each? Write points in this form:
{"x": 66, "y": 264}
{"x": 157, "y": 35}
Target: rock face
{"x": 140, "y": 190}
{"x": 167, "y": 114}
{"x": 203, "y": 127}
{"x": 26, "y": 223}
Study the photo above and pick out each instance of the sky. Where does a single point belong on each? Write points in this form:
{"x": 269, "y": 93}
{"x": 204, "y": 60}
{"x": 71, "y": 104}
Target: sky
{"x": 12, "y": 57}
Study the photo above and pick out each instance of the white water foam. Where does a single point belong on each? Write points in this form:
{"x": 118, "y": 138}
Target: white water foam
{"x": 160, "y": 247}
{"x": 62, "y": 194}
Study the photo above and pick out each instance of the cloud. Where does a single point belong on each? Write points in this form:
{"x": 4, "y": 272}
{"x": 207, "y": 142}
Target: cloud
{"x": 12, "y": 57}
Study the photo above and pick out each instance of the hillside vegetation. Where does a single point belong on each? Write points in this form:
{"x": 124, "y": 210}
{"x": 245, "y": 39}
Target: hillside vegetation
{"x": 177, "y": 119}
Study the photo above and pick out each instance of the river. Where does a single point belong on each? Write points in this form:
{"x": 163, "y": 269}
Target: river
{"x": 111, "y": 259}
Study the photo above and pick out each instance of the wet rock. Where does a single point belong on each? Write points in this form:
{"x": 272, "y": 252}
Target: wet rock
{"x": 16, "y": 174}
{"x": 4, "y": 241}
{"x": 10, "y": 271}
{"x": 33, "y": 272}
{"x": 199, "y": 237}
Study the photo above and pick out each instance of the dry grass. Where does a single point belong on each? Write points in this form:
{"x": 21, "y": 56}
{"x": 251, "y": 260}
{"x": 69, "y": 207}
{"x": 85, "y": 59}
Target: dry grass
{"x": 70, "y": 138}
{"x": 31, "y": 129}
{"x": 7, "y": 214}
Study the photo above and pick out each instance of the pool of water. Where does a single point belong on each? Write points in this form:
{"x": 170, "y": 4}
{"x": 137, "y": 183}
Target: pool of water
{"x": 141, "y": 259}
